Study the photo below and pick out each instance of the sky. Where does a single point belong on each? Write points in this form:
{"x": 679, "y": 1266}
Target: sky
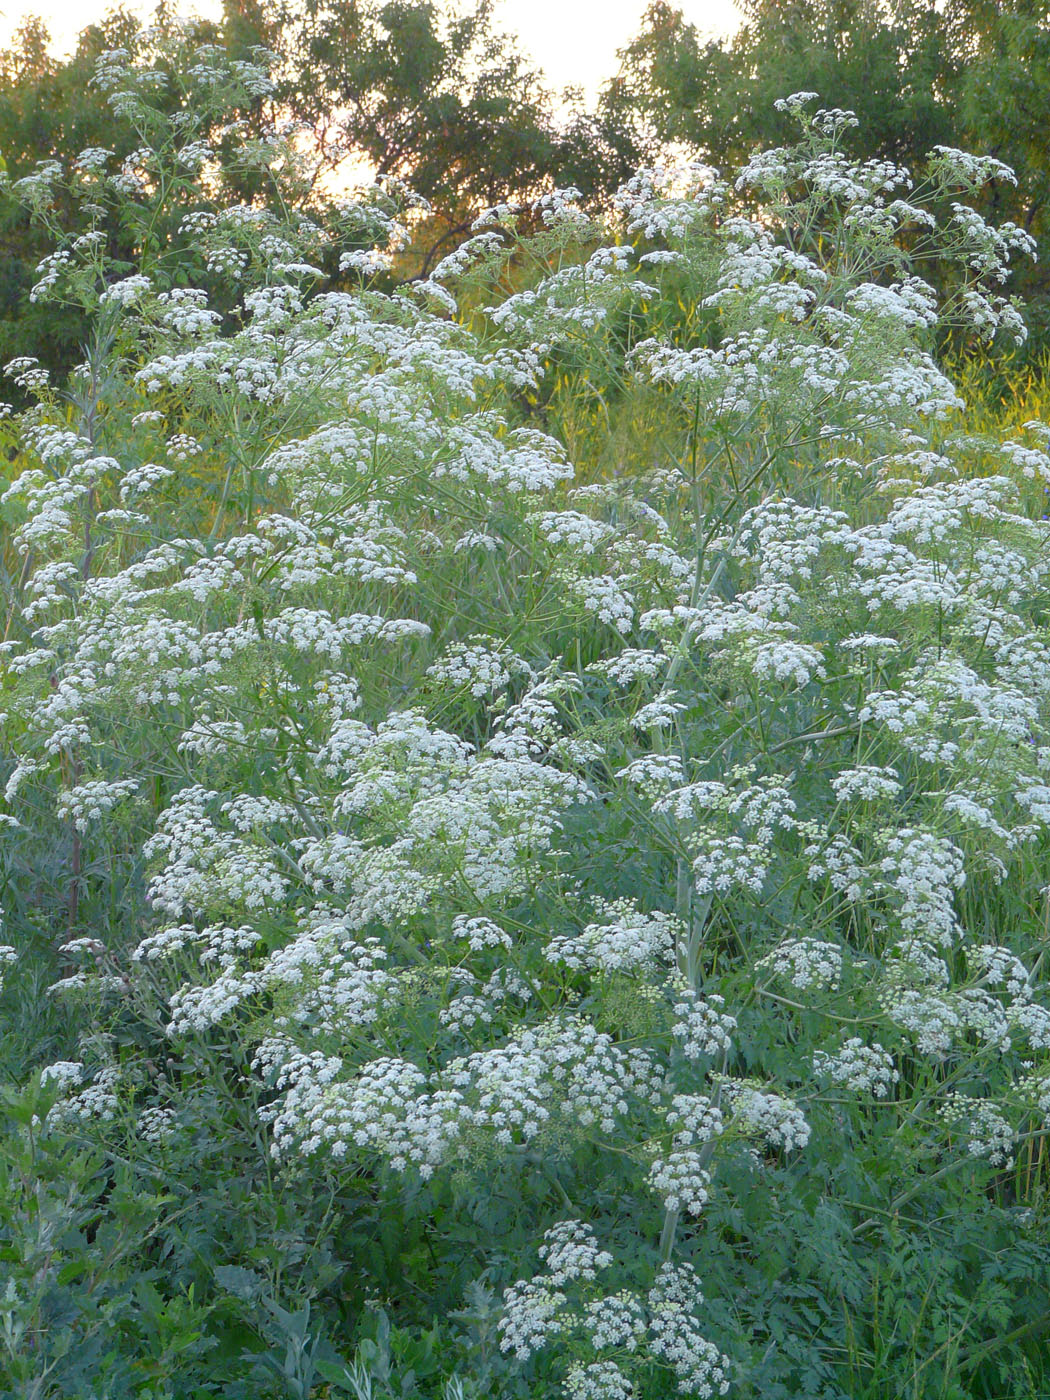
{"x": 573, "y": 41}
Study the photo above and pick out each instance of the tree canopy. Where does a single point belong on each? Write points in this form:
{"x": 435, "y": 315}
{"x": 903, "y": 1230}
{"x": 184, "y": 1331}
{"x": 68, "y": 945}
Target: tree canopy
{"x": 966, "y": 73}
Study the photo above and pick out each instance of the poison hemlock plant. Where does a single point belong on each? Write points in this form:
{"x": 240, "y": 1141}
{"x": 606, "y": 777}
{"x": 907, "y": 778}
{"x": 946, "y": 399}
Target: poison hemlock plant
{"x": 596, "y": 925}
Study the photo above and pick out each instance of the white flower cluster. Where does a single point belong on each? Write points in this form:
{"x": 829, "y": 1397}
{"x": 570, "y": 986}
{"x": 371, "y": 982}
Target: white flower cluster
{"x": 1002, "y": 970}
{"x": 570, "y": 1251}
{"x": 615, "y": 1320}
{"x": 866, "y": 783}
{"x": 630, "y": 666}
{"x": 480, "y": 932}
{"x": 66, "y": 1074}
{"x": 138, "y": 480}
{"x": 926, "y": 870}
{"x": 702, "y": 1028}
{"x": 681, "y": 1180}
{"x": 563, "y": 1073}
{"x": 695, "y": 1119}
{"x": 157, "y": 1125}
{"x": 728, "y": 863}
{"x": 754, "y": 1109}
{"x": 97, "y": 1101}
{"x": 654, "y": 773}
{"x": 326, "y": 978}
{"x": 480, "y": 666}
{"x": 383, "y": 1110}
{"x": 530, "y": 1317}
{"x": 8, "y": 957}
{"x": 675, "y": 1336}
{"x": 1035, "y": 1090}
{"x": 88, "y": 802}
{"x": 659, "y": 1325}
{"x": 866, "y": 1069}
{"x": 607, "y": 599}
{"x": 568, "y": 528}
{"x": 986, "y": 1131}
{"x": 127, "y": 291}
{"x": 625, "y": 941}
{"x": 598, "y": 1380}
{"x": 406, "y": 763}
{"x": 806, "y": 962}
{"x": 928, "y": 1015}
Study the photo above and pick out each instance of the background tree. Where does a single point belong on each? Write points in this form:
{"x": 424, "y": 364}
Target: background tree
{"x": 48, "y": 109}
{"x": 435, "y": 94}
{"x": 889, "y": 62}
{"x": 411, "y": 90}
{"x": 438, "y": 96}
{"x": 1002, "y": 52}
{"x": 972, "y": 74}
{"x": 53, "y": 110}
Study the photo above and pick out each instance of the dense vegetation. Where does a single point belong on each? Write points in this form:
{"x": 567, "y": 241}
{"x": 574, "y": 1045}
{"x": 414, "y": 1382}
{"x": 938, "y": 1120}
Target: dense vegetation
{"x": 434, "y": 93}
{"x": 526, "y": 802}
